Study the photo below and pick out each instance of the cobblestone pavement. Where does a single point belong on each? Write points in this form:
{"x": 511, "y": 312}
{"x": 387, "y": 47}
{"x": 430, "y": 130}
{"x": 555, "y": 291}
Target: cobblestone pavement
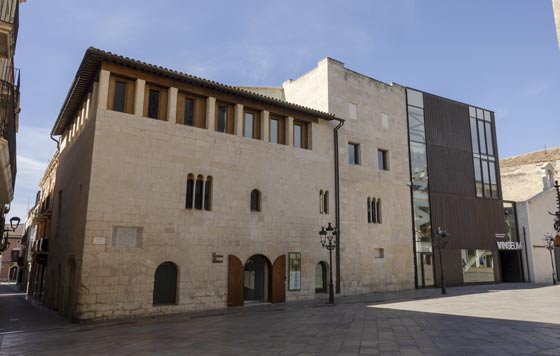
{"x": 506, "y": 319}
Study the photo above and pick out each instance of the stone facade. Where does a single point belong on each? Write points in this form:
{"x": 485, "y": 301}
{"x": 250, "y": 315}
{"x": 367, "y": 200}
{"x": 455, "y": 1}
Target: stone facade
{"x": 119, "y": 170}
{"x": 375, "y": 118}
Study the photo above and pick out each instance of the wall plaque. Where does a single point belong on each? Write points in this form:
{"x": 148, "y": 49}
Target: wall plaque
{"x": 127, "y": 237}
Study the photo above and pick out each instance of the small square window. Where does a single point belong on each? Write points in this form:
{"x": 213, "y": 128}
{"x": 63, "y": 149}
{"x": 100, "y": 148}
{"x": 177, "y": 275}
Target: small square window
{"x": 353, "y": 153}
{"x": 383, "y": 159}
{"x": 379, "y": 253}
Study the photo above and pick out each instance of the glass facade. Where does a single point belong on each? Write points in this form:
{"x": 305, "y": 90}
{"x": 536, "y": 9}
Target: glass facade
{"x": 420, "y": 190}
{"x": 484, "y": 158}
{"x": 511, "y": 222}
{"x": 478, "y": 266}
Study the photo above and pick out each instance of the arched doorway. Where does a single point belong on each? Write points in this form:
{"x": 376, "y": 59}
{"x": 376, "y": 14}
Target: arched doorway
{"x": 165, "y": 284}
{"x": 257, "y": 279}
{"x": 321, "y": 277}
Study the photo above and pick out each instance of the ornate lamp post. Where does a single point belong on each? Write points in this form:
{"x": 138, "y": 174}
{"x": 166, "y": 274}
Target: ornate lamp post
{"x": 5, "y": 240}
{"x": 440, "y": 241}
{"x": 328, "y": 241}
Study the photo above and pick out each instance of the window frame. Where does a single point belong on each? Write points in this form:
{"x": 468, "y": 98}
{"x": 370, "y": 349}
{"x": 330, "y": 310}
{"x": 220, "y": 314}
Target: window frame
{"x": 162, "y": 102}
{"x": 357, "y": 156}
{"x": 383, "y": 165}
{"x": 129, "y": 93}
{"x": 304, "y": 134}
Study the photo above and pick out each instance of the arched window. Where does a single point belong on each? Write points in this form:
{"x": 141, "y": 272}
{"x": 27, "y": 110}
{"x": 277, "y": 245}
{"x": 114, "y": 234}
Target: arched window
{"x": 326, "y": 202}
{"x": 190, "y": 192}
{"x": 255, "y": 200}
{"x": 369, "y": 210}
{"x": 208, "y": 194}
{"x": 321, "y": 277}
{"x": 378, "y": 211}
{"x": 321, "y": 201}
{"x": 198, "y": 192}
{"x": 165, "y": 284}
{"x": 374, "y": 210}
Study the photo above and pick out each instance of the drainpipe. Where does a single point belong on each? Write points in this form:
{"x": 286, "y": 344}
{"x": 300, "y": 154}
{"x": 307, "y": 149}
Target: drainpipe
{"x": 57, "y": 142}
{"x": 337, "y": 202}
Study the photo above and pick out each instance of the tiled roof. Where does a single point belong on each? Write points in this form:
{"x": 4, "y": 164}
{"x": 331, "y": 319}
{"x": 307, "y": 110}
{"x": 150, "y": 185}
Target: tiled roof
{"x": 546, "y": 155}
{"x": 90, "y": 66}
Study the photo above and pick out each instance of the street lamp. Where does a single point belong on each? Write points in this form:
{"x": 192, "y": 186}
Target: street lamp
{"x": 550, "y": 247}
{"x": 441, "y": 241}
{"x": 14, "y": 223}
{"x": 328, "y": 241}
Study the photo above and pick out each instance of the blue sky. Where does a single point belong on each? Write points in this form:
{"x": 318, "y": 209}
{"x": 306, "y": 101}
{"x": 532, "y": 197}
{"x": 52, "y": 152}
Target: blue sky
{"x": 501, "y": 55}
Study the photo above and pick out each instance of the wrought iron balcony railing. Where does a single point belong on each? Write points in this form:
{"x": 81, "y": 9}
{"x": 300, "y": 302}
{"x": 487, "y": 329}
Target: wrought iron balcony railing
{"x": 9, "y": 107}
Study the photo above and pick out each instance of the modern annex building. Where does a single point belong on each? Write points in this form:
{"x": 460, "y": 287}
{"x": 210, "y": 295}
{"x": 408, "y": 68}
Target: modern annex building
{"x": 528, "y": 182}
{"x": 175, "y": 193}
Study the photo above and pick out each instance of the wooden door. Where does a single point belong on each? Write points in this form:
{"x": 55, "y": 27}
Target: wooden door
{"x": 235, "y": 282}
{"x": 278, "y": 294}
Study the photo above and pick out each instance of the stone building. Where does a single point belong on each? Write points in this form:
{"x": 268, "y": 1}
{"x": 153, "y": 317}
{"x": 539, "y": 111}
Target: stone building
{"x": 9, "y": 106}
{"x": 528, "y": 185}
{"x": 175, "y": 193}
{"x": 9, "y": 258}
{"x": 38, "y": 231}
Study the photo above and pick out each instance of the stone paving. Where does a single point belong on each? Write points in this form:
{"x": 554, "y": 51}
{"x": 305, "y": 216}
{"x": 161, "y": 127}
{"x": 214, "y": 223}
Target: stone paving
{"x": 506, "y": 319}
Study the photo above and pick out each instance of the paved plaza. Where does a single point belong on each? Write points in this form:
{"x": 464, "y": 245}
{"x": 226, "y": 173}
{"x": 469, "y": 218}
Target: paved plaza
{"x": 506, "y": 319}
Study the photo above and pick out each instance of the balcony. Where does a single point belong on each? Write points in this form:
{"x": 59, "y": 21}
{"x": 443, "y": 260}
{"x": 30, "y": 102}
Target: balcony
{"x": 9, "y": 26}
{"x": 9, "y": 108}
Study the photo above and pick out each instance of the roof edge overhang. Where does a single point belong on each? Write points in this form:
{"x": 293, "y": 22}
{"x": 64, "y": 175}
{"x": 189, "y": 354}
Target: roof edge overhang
{"x": 91, "y": 64}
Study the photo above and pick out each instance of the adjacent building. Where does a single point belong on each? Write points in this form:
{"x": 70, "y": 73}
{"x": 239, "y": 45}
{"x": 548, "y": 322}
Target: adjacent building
{"x": 174, "y": 193}
{"x": 528, "y": 184}
{"x": 9, "y": 106}
{"x": 9, "y": 270}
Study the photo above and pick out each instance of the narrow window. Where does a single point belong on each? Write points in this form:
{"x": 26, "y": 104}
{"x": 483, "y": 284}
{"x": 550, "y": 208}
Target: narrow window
{"x": 374, "y": 211}
{"x": 369, "y": 210}
{"x": 297, "y": 135}
{"x": 208, "y": 194}
{"x": 321, "y": 202}
{"x": 382, "y": 160}
{"x": 189, "y": 112}
{"x": 248, "y": 128}
{"x": 378, "y": 211}
{"x": 153, "y": 104}
{"x": 353, "y": 153}
{"x": 255, "y": 200}
{"x": 198, "y": 193}
{"x": 326, "y": 202}
{"x": 274, "y": 131}
{"x": 222, "y": 118}
{"x": 119, "y": 97}
{"x": 190, "y": 189}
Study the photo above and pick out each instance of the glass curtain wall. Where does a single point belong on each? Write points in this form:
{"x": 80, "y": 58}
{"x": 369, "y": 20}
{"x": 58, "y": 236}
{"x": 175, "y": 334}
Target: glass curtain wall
{"x": 420, "y": 192}
{"x": 483, "y": 153}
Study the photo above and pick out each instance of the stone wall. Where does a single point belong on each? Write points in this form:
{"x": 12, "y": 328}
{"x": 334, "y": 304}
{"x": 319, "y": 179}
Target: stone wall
{"x": 375, "y": 119}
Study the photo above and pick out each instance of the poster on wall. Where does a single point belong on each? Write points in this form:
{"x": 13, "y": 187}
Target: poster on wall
{"x": 294, "y": 271}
